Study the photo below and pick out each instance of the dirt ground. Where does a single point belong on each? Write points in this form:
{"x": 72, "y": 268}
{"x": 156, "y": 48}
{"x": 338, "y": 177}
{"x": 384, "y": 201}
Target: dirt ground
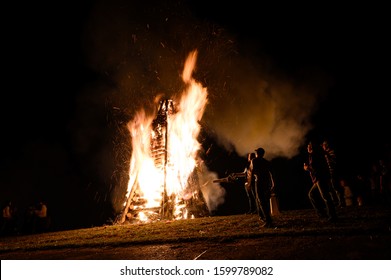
{"x": 366, "y": 237}
{"x": 266, "y": 248}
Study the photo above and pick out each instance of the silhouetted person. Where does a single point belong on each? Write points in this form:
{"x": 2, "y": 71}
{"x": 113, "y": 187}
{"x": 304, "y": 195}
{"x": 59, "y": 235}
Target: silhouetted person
{"x": 319, "y": 194}
{"x": 336, "y": 191}
{"x": 362, "y": 189}
{"x": 8, "y": 223}
{"x": 262, "y": 176}
{"x": 349, "y": 194}
{"x": 248, "y": 185}
{"x": 41, "y": 219}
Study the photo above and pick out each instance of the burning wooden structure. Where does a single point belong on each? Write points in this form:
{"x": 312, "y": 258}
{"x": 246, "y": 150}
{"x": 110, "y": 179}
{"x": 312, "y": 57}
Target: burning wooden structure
{"x": 187, "y": 203}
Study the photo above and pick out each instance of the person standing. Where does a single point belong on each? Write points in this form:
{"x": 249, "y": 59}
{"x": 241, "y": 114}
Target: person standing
{"x": 41, "y": 221}
{"x": 336, "y": 191}
{"x": 362, "y": 189}
{"x": 261, "y": 175}
{"x": 319, "y": 193}
{"x": 8, "y": 221}
{"x": 249, "y": 185}
{"x": 349, "y": 194}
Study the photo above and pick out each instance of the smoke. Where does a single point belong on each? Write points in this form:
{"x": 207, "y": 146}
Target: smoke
{"x": 138, "y": 51}
{"x": 213, "y": 193}
{"x": 262, "y": 110}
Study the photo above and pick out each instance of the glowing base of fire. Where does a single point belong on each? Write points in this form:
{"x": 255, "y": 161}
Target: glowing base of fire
{"x": 173, "y": 209}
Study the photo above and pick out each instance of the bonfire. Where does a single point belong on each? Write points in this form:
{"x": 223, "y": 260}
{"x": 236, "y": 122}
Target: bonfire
{"x": 164, "y": 174}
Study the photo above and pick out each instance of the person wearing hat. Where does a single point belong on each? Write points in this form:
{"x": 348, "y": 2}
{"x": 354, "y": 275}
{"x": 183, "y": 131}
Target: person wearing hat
{"x": 260, "y": 169}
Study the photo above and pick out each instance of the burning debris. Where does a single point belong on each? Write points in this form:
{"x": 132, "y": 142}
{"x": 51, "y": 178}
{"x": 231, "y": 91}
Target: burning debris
{"x": 165, "y": 169}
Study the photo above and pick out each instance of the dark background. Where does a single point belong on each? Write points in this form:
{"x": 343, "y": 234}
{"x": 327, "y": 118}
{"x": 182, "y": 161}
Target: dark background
{"x": 61, "y": 141}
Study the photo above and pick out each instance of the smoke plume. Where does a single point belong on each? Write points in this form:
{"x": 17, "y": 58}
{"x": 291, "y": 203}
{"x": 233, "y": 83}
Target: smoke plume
{"x": 138, "y": 51}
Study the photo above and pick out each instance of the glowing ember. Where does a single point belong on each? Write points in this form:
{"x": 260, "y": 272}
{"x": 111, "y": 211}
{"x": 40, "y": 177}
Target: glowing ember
{"x": 163, "y": 180}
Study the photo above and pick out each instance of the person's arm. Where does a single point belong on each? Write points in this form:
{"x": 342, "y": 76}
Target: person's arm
{"x": 239, "y": 174}
{"x": 307, "y": 167}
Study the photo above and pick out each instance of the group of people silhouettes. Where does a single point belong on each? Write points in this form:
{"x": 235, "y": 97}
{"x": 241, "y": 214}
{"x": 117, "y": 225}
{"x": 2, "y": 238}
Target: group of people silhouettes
{"x": 35, "y": 219}
{"x": 328, "y": 190}
{"x": 332, "y": 190}
{"x": 324, "y": 193}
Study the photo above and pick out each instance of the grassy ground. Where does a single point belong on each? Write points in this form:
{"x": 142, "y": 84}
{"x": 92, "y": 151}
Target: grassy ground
{"x": 363, "y": 222}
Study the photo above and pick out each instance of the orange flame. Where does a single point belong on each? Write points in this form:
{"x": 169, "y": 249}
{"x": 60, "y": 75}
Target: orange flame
{"x": 159, "y": 177}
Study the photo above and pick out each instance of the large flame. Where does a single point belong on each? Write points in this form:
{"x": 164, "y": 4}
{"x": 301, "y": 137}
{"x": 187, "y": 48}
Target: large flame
{"x": 159, "y": 176}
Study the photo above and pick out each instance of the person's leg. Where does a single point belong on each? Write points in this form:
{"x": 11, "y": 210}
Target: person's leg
{"x": 253, "y": 199}
{"x": 259, "y": 203}
{"x": 334, "y": 194}
{"x": 339, "y": 192}
{"x": 250, "y": 204}
{"x": 315, "y": 198}
{"x": 265, "y": 200}
{"x": 263, "y": 207}
{"x": 324, "y": 193}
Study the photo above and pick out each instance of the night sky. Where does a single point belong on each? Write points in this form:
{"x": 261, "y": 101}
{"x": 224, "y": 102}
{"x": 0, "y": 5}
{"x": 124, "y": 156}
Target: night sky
{"x": 75, "y": 72}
